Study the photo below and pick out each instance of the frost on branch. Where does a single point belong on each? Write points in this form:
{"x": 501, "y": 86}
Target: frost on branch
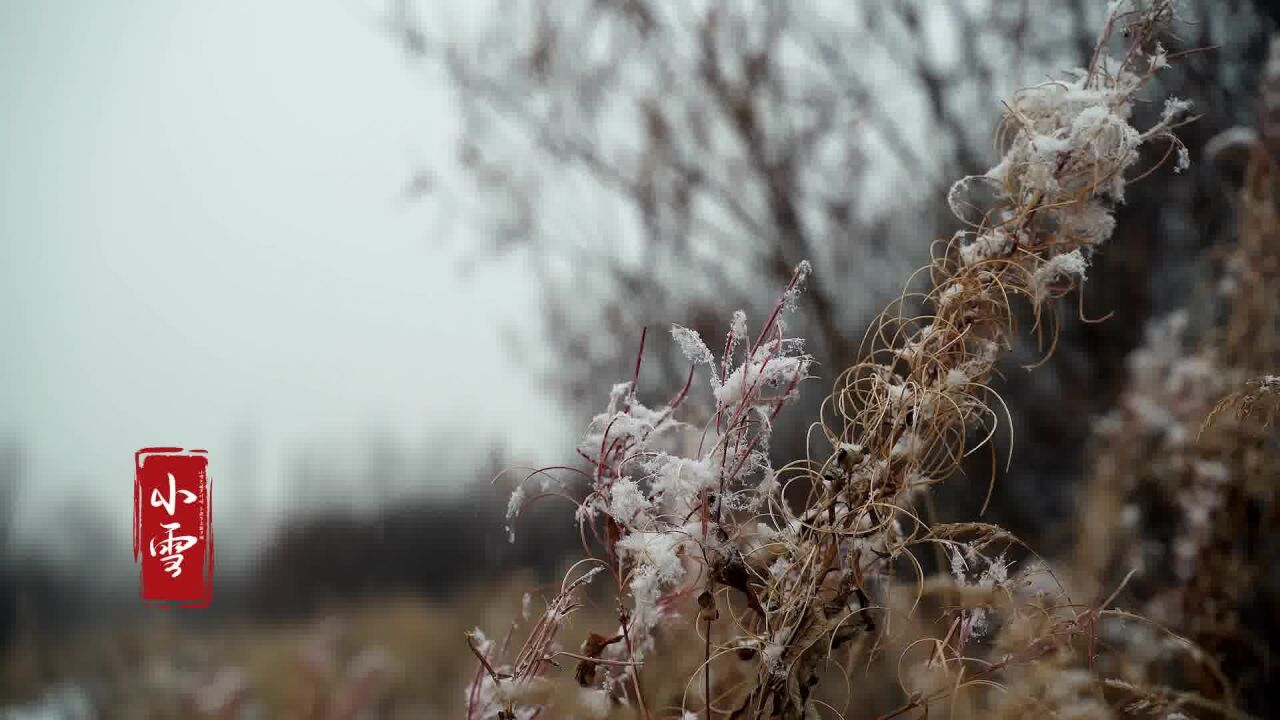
{"x": 662, "y": 494}
{"x": 667, "y": 489}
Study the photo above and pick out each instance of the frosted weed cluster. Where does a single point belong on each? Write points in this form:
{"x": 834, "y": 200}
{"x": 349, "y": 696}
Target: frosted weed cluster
{"x": 793, "y": 575}
{"x": 1183, "y": 488}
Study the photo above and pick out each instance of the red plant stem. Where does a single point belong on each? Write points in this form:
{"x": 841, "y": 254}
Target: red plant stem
{"x": 635, "y": 376}
{"x": 777, "y": 310}
{"x": 679, "y": 398}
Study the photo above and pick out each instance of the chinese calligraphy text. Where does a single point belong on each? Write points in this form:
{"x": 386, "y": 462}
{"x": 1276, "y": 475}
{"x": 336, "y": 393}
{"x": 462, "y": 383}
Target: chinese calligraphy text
{"x": 172, "y": 535}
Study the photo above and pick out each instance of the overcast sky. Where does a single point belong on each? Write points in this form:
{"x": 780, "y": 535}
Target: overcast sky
{"x": 203, "y": 236}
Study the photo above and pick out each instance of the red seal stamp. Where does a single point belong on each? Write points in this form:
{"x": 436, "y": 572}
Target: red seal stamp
{"x": 172, "y": 530}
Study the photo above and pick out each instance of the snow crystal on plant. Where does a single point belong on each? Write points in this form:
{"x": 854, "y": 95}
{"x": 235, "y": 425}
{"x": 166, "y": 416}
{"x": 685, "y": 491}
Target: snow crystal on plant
{"x": 1074, "y": 135}
{"x": 958, "y": 565}
{"x": 691, "y": 345}
{"x": 1092, "y": 222}
{"x": 766, "y": 532}
{"x": 515, "y": 501}
{"x": 899, "y": 395}
{"x": 769, "y": 483}
{"x": 679, "y": 480}
{"x": 1104, "y": 137}
{"x": 483, "y": 644}
{"x": 657, "y": 551}
{"x": 738, "y": 326}
{"x": 1044, "y": 152}
{"x": 1035, "y": 578}
{"x": 635, "y": 424}
{"x": 646, "y": 590}
{"x": 1071, "y": 263}
{"x": 958, "y": 189}
{"x": 775, "y": 649}
{"x": 1184, "y": 160}
{"x": 527, "y": 695}
{"x": 949, "y": 294}
{"x": 910, "y": 445}
{"x": 803, "y": 271}
{"x": 760, "y": 372}
{"x": 912, "y": 348}
{"x": 989, "y": 245}
{"x": 1174, "y": 108}
{"x": 619, "y": 391}
{"x": 996, "y": 574}
{"x": 627, "y": 501}
{"x": 1159, "y": 58}
{"x": 652, "y": 473}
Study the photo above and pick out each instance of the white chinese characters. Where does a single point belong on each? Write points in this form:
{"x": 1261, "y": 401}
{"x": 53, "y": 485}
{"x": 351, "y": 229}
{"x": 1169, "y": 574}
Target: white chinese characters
{"x": 170, "y": 546}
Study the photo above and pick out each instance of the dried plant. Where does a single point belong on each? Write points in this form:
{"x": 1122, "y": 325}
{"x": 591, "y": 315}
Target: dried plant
{"x": 822, "y": 564}
{"x": 1182, "y": 493}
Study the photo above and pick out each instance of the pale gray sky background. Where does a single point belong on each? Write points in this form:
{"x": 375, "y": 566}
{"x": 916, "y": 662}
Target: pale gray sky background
{"x": 203, "y": 234}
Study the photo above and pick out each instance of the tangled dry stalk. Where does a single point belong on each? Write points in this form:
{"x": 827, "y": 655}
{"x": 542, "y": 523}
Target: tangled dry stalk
{"x": 1183, "y": 485}
{"x": 798, "y": 575}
